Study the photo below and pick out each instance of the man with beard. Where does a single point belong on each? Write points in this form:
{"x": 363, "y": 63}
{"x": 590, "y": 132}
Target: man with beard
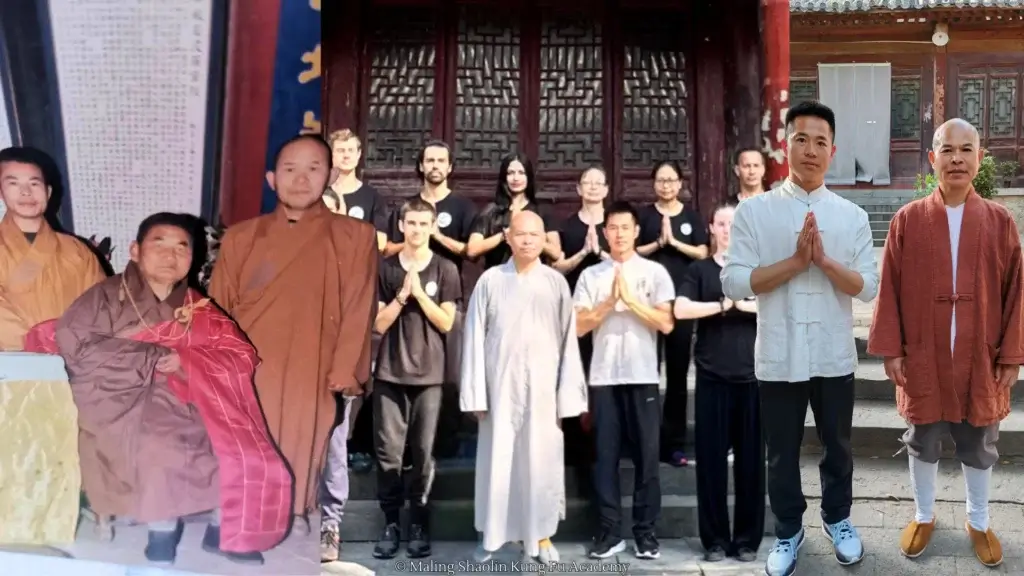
{"x": 521, "y": 376}
{"x": 455, "y": 216}
{"x": 298, "y": 281}
{"x": 41, "y": 270}
{"x": 169, "y": 423}
{"x": 749, "y": 168}
{"x": 950, "y": 324}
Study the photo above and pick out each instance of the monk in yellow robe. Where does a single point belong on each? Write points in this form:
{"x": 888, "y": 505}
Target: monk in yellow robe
{"x": 301, "y": 283}
{"x": 41, "y": 271}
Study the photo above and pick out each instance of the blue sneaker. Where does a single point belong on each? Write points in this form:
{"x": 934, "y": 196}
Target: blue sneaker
{"x": 782, "y": 558}
{"x": 845, "y": 540}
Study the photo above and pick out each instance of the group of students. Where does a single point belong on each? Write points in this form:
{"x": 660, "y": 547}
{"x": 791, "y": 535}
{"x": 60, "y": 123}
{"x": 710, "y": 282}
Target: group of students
{"x": 659, "y": 259}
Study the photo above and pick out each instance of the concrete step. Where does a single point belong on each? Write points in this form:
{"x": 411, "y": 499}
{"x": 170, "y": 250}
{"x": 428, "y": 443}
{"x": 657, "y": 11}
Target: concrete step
{"x": 453, "y": 520}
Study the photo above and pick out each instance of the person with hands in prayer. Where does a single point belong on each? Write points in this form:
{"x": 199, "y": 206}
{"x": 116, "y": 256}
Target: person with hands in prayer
{"x": 626, "y": 301}
{"x": 419, "y": 292}
{"x": 805, "y": 253}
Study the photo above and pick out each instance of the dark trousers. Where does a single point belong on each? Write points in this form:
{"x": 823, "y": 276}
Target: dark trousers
{"x": 729, "y": 416}
{"x": 456, "y": 430}
{"x": 783, "y": 410}
{"x": 405, "y": 415}
{"x": 626, "y": 413}
{"x": 675, "y": 353}
{"x": 579, "y": 447}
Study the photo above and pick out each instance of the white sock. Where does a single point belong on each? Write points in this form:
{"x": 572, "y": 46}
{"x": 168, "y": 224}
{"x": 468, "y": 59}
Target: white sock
{"x": 978, "y": 482}
{"x": 922, "y": 476}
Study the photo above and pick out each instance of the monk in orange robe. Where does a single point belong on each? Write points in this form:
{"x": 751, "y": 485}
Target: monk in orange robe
{"x": 949, "y": 322}
{"x": 301, "y": 283}
{"x": 41, "y": 271}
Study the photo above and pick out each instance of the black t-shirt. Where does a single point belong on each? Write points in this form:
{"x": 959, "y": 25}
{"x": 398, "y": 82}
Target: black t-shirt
{"x": 573, "y": 234}
{"x": 455, "y": 216}
{"x": 488, "y": 223}
{"x": 687, "y": 227}
{"x": 725, "y": 342}
{"x": 412, "y": 351}
{"x": 368, "y": 205}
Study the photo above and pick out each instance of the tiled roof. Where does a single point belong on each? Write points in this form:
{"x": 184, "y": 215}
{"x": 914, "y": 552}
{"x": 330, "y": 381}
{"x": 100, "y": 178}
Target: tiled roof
{"x": 864, "y": 5}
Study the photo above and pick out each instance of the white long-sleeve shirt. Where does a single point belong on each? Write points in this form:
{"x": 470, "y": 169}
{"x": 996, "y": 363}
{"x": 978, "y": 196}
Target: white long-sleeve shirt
{"x": 805, "y": 326}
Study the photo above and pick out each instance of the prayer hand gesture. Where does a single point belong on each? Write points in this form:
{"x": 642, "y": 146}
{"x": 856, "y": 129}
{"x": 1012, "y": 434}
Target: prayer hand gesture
{"x": 169, "y": 363}
{"x": 805, "y": 242}
{"x": 593, "y": 242}
{"x": 613, "y": 297}
{"x": 1006, "y": 374}
{"x": 895, "y": 370}
{"x": 622, "y": 287}
{"x": 406, "y": 289}
{"x": 415, "y": 286}
{"x": 666, "y": 231}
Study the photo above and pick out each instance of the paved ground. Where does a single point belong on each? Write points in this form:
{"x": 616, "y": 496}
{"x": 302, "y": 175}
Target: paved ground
{"x": 880, "y": 524}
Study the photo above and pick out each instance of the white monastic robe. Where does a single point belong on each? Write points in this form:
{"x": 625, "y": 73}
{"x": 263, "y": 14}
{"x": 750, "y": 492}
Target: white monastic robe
{"x": 521, "y": 365}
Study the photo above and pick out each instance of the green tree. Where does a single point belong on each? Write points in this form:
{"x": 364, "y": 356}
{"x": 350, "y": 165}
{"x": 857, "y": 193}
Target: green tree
{"x": 992, "y": 175}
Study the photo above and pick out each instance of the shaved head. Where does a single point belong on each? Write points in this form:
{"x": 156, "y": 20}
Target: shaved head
{"x": 959, "y": 125}
{"x": 526, "y": 237}
{"x": 527, "y": 220}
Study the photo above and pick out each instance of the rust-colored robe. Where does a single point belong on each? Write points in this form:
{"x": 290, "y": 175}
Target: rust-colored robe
{"x": 145, "y": 454}
{"x": 38, "y": 281}
{"x": 305, "y": 294}
{"x": 915, "y": 303}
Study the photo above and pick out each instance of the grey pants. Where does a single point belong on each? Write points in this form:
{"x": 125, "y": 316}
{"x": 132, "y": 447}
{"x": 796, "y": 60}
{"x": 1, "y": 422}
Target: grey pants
{"x": 975, "y": 447}
{"x": 172, "y": 525}
{"x": 334, "y": 480}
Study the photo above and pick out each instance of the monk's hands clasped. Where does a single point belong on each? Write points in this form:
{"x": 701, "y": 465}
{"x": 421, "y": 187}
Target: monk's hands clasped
{"x": 806, "y": 241}
{"x": 168, "y": 364}
{"x": 895, "y": 371}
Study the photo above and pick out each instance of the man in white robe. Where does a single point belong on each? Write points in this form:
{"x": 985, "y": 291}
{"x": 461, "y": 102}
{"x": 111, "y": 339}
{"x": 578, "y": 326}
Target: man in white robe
{"x": 521, "y": 375}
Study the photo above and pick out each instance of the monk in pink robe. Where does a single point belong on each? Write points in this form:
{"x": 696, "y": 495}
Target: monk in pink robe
{"x": 949, "y": 322}
{"x": 170, "y": 425}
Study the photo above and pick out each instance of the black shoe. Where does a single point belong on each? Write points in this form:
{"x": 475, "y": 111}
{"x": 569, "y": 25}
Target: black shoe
{"x": 606, "y": 545}
{"x": 211, "y": 544}
{"x": 387, "y": 544}
{"x": 715, "y": 554}
{"x": 419, "y": 542}
{"x": 330, "y": 543}
{"x": 646, "y": 547}
{"x": 162, "y": 547}
{"x": 746, "y": 555}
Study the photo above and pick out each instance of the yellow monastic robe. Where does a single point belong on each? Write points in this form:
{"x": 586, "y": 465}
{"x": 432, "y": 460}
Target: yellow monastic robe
{"x": 39, "y": 281}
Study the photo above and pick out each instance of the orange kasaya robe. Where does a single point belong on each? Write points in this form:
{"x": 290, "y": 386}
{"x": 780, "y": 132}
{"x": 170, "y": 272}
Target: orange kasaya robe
{"x": 915, "y": 305}
{"x": 305, "y": 295}
{"x": 39, "y": 281}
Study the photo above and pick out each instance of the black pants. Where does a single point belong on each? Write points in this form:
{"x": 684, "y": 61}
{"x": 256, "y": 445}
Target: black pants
{"x": 579, "y": 448}
{"x": 629, "y": 413}
{"x": 729, "y": 416}
{"x": 783, "y": 410}
{"x": 674, "y": 350}
{"x": 405, "y": 415}
{"x": 455, "y": 428}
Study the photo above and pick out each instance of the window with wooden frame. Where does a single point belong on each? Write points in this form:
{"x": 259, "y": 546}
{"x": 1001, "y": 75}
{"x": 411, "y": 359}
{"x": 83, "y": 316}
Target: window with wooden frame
{"x": 987, "y": 92}
{"x": 570, "y": 86}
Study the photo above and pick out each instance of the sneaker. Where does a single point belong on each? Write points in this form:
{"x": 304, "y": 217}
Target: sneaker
{"x": 387, "y": 545}
{"x": 849, "y": 549}
{"x": 678, "y": 459}
{"x": 607, "y": 545}
{"x": 162, "y": 547}
{"x": 715, "y": 554}
{"x": 360, "y": 463}
{"x": 419, "y": 542}
{"x": 211, "y": 544}
{"x": 646, "y": 547}
{"x": 783, "y": 555}
{"x": 330, "y": 543}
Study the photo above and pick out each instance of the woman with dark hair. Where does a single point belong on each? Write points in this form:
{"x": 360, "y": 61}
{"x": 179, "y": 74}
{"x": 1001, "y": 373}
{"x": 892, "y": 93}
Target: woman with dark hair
{"x": 727, "y": 405}
{"x": 516, "y": 191}
{"x": 674, "y": 236}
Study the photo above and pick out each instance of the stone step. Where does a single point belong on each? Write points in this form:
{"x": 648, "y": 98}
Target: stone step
{"x": 453, "y": 520}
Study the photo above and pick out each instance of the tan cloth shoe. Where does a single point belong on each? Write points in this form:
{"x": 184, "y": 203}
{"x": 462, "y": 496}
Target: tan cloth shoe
{"x": 986, "y": 546}
{"x": 916, "y": 537}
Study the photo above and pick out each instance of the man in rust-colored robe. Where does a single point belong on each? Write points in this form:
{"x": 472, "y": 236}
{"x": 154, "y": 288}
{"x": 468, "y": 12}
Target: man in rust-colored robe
{"x": 301, "y": 283}
{"x": 950, "y": 324}
{"x": 169, "y": 423}
{"x": 41, "y": 271}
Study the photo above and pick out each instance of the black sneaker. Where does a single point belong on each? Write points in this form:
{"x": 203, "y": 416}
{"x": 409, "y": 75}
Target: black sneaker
{"x": 606, "y": 545}
{"x": 162, "y": 547}
{"x": 211, "y": 544}
{"x": 330, "y": 543}
{"x": 746, "y": 555}
{"x": 387, "y": 544}
{"x": 419, "y": 542}
{"x": 715, "y": 554}
{"x": 646, "y": 547}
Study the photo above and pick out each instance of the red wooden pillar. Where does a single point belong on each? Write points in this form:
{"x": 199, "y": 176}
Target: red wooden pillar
{"x": 775, "y": 92}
